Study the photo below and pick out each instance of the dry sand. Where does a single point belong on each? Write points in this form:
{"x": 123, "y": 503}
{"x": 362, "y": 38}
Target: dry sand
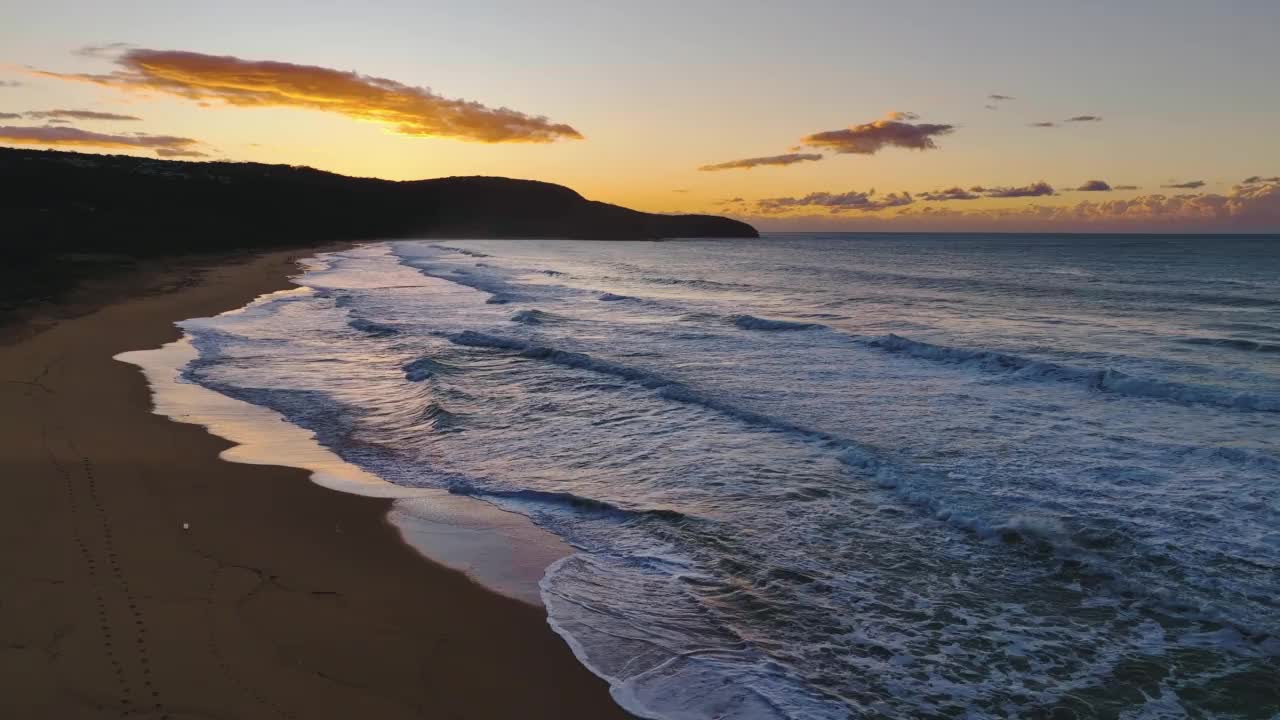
{"x": 282, "y": 599}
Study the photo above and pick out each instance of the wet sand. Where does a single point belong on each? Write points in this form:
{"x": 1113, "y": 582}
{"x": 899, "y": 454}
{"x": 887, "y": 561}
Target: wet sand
{"x": 140, "y": 574}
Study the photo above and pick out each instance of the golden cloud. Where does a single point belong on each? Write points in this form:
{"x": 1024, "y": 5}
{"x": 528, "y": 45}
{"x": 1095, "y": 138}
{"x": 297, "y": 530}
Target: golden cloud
{"x": 78, "y": 115}
{"x": 75, "y": 137}
{"x": 406, "y": 109}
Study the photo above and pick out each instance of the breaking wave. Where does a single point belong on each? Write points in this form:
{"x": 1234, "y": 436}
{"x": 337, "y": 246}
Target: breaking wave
{"x": 1233, "y": 344}
{"x": 751, "y": 322}
{"x": 696, "y": 283}
{"x": 1105, "y": 380}
{"x": 462, "y": 251}
{"x": 564, "y": 500}
{"x": 372, "y": 328}
{"x": 424, "y": 368}
{"x": 533, "y": 317}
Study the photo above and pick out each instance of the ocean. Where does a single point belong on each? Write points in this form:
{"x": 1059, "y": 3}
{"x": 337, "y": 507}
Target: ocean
{"x": 820, "y": 476}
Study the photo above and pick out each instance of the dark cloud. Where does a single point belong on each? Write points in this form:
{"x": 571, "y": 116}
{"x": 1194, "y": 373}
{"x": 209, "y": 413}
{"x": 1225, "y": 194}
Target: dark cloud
{"x": 406, "y": 109}
{"x": 1189, "y": 185}
{"x": 1044, "y": 124}
{"x": 1033, "y": 190}
{"x": 10, "y": 83}
{"x": 1127, "y": 187}
{"x": 1254, "y": 180}
{"x": 953, "y": 193}
{"x": 998, "y": 97}
{"x": 15, "y": 116}
{"x": 894, "y": 130}
{"x": 78, "y": 115}
{"x": 1095, "y": 186}
{"x": 835, "y": 202}
{"x": 75, "y": 137}
{"x": 1084, "y": 118}
{"x": 748, "y": 163}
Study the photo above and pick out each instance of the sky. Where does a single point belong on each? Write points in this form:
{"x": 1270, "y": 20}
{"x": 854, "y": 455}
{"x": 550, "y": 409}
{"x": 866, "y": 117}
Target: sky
{"x": 1134, "y": 115}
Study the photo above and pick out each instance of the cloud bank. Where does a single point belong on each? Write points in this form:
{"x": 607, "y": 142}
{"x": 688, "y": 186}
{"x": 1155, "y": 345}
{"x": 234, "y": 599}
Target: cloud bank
{"x": 406, "y": 109}
{"x": 1084, "y": 118}
{"x": 835, "y": 202}
{"x": 1095, "y": 186}
{"x": 1189, "y": 185}
{"x": 748, "y": 163}
{"x": 894, "y": 130}
{"x": 75, "y": 137}
{"x": 1246, "y": 208}
{"x": 870, "y": 201}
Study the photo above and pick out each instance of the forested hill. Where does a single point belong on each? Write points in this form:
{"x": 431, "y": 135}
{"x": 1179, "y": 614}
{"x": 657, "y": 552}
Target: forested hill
{"x": 66, "y": 217}
{"x": 115, "y": 203}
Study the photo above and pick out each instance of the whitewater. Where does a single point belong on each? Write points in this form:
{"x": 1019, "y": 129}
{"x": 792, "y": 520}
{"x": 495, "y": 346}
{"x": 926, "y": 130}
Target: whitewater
{"x": 829, "y": 476}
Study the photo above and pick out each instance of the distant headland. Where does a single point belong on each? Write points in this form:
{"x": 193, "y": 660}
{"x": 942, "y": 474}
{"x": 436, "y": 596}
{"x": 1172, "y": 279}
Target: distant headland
{"x": 58, "y": 205}
{"x": 122, "y": 200}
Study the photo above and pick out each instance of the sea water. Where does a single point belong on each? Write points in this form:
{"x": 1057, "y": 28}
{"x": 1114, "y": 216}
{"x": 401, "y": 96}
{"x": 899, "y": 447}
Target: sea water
{"x": 829, "y": 476}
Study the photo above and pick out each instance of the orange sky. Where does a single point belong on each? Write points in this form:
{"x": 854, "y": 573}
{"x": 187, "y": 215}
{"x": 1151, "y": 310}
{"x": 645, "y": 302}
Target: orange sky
{"x": 819, "y": 115}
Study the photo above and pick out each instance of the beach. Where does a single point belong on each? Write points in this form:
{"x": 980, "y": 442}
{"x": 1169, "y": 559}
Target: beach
{"x": 144, "y": 576}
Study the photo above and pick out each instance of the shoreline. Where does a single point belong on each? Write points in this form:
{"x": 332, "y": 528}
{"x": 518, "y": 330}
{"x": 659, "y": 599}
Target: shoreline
{"x": 279, "y": 598}
{"x": 505, "y": 552}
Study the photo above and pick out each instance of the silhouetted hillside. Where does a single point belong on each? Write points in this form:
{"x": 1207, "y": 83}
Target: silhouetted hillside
{"x": 56, "y": 203}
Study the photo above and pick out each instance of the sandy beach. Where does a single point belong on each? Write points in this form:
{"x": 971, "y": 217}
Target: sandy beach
{"x": 143, "y": 576}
